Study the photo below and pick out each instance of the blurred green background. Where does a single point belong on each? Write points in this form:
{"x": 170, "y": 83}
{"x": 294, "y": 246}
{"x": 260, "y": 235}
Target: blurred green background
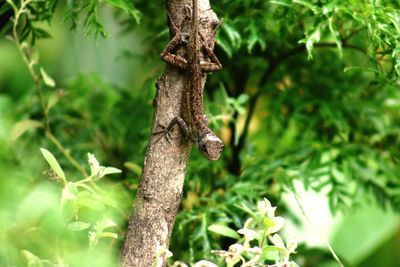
{"x": 307, "y": 103}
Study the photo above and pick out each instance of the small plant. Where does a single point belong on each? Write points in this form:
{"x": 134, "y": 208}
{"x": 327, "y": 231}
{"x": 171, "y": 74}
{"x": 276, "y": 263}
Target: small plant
{"x": 260, "y": 242}
{"x": 84, "y": 188}
{"x": 85, "y": 205}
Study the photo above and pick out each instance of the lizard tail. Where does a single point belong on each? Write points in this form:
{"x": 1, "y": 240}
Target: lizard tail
{"x": 195, "y": 18}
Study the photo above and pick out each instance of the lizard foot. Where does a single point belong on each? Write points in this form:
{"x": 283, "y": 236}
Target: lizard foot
{"x": 164, "y": 132}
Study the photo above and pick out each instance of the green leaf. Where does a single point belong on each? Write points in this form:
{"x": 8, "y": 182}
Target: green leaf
{"x": 233, "y": 35}
{"x": 4, "y": 9}
{"x": 54, "y": 165}
{"x": 133, "y": 167}
{"x": 223, "y": 230}
{"x": 280, "y": 3}
{"x": 6, "y": 28}
{"x": 254, "y": 38}
{"x": 224, "y": 45}
{"x": 69, "y": 193}
{"x": 94, "y": 237}
{"x": 246, "y": 209}
{"x": 98, "y": 171}
{"x": 128, "y": 7}
{"x": 23, "y": 126}
{"x": 47, "y": 79}
{"x": 242, "y": 99}
{"x": 104, "y": 223}
{"x": 34, "y": 56}
{"x": 53, "y": 99}
{"x": 277, "y": 240}
{"x": 335, "y": 34}
{"x": 108, "y": 234}
{"x": 271, "y": 252}
{"x": 32, "y": 260}
{"x": 94, "y": 165}
{"x": 312, "y": 38}
{"x": 312, "y": 7}
{"x": 110, "y": 170}
{"x": 101, "y": 225}
{"x": 78, "y": 226}
{"x": 40, "y": 33}
{"x": 352, "y": 68}
{"x": 90, "y": 201}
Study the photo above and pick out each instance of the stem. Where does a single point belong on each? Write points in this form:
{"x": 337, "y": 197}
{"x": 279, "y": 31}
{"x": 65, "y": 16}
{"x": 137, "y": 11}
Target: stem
{"x": 65, "y": 152}
{"x": 25, "y": 58}
{"x": 37, "y": 80}
{"x": 320, "y": 234}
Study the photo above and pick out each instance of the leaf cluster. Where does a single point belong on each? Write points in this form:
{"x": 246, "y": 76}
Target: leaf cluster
{"x": 40, "y": 11}
{"x": 309, "y": 92}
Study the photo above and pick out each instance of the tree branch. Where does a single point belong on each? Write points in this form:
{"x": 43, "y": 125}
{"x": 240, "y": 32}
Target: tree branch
{"x": 160, "y": 189}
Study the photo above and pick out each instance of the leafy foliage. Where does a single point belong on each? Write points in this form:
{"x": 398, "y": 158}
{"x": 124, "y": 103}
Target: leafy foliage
{"x": 43, "y": 10}
{"x": 309, "y": 92}
{"x": 261, "y": 229}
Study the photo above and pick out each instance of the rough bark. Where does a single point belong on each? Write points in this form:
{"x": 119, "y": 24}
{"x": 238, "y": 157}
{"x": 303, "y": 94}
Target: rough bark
{"x": 160, "y": 190}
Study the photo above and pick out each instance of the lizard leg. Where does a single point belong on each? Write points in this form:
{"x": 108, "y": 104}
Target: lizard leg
{"x": 177, "y": 40}
{"x": 183, "y": 126}
{"x": 216, "y": 25}
{"x": 163, "y": 133}
{"x": 166, "y": 131}
{"x": 214, "y": 64}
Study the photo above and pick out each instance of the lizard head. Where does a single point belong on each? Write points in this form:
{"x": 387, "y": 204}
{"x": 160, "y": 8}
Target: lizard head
{"x": 211, "y": 146}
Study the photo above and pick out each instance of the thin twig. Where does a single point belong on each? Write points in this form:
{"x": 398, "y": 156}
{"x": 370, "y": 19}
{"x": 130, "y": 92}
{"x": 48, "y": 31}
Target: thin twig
{"x": 65, "y": 152}
{"x": 37, "y": 80}
{"x": 321, "y": 235}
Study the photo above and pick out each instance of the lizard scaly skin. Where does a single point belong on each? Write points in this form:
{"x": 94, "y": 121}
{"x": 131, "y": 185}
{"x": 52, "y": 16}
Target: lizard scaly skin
{"x": 192, "y": 121}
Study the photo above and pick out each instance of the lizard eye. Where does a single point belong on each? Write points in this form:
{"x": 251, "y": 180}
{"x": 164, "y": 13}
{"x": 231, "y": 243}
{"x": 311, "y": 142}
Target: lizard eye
{"x": 204, "y": 148}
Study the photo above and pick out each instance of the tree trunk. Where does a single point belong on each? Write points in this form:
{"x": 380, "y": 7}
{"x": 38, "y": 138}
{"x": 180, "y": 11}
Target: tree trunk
{"x": 160, "y": 190}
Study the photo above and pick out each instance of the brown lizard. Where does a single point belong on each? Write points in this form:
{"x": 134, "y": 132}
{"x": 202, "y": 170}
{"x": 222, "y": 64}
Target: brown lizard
{"x": 192, "y": 121}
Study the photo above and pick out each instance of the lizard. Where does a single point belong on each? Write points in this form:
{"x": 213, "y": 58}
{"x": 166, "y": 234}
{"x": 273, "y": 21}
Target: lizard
{"x": 192, "y": 121}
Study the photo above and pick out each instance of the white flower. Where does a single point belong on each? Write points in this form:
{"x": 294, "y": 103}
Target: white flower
{"x": 255, "y": 250}
{"x": 162, "y": 254}
{"x": 94, "y": 165}
{"x": 291, "y": 244}
{"x": 289, "y": 248}
{"x": 98, "y": 171}
{"x": 265, "y": 208}
{"x": 277, "y": 224}
{"x": 278, "y": 241}
{"x": 272, "y": 222}
{"x": 248, "y": 233}
{"x": 204, "y": 263}
{"x": 168, "y": 254}
{"x": 235, "y": 248}
{"x": 233, "y": 255}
